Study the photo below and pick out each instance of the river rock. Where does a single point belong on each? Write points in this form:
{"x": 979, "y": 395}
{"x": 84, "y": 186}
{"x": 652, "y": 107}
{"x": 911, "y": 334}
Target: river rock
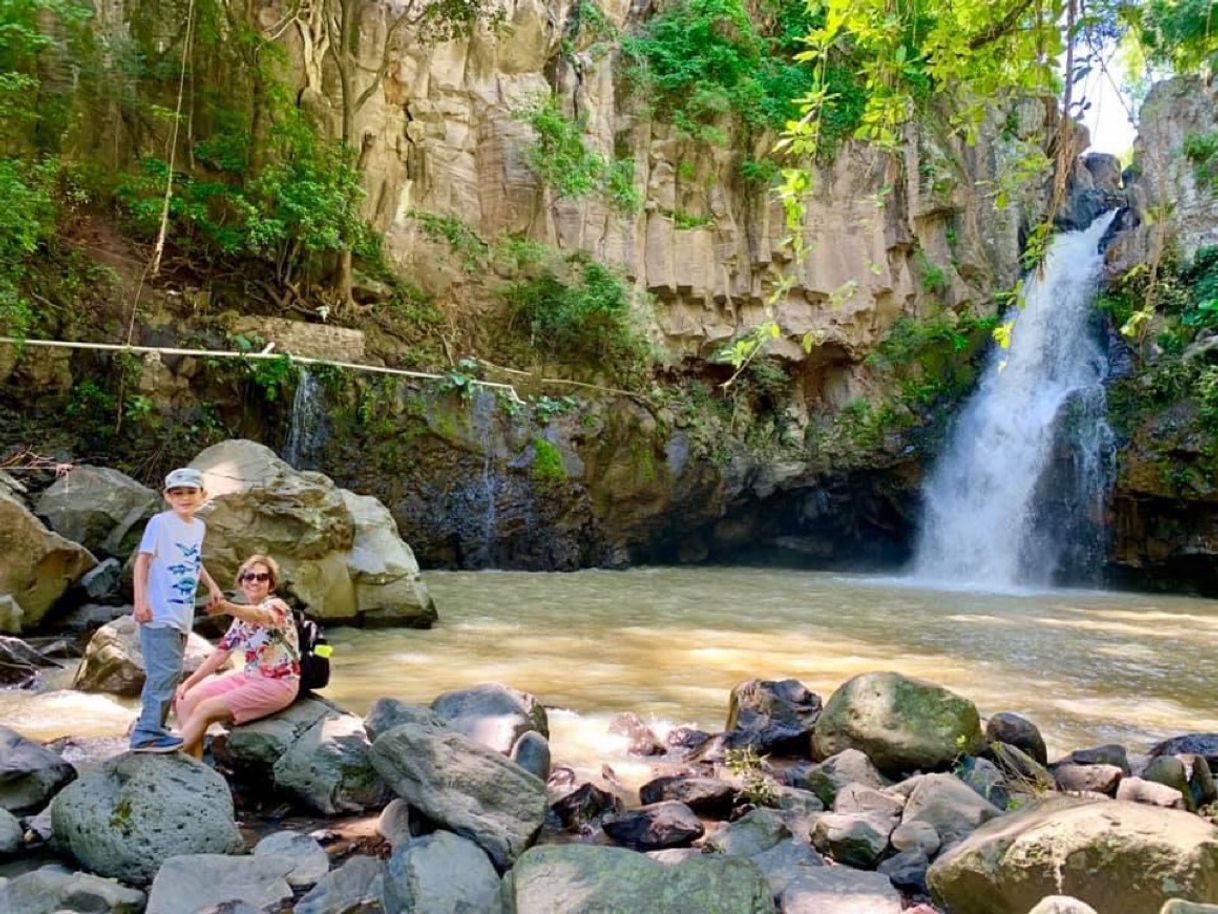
{"x": 188, "y": 882}
{"x": 949, "y": 805}
{"x": 441, "y": 873}
{"x": 19, "y": 663}
{"x": 1116, "y": 856}
{"x": 839, "y": 890}
{"x": 858, "y": 798}
{"x": 30, "y": 774}
{"x": 1009, "y": 728}
{"x": 584, "y": 805}
{"x": 920, "y": 835}
{"x": 309, "y": 861}
{"x": 532, "y": 753}
{"x": 393, "y": 824}
{"x": 901, "y": 724}
{"x": 356, "y": 887}
{"x": 52, "y": 891}
{"x": 129, "y": 813}
{"x": 11, "y": 834}
{"x": 781, "y": 712}
{"x": 11, "y": 613}
{"x": 985, "y": 778}
{"x": 784, "y": 862}
{"x": 387, "y": 713}
{"x": 710, "y": 797}
{"x": 100, "y": 508}
{"x": 492, "y": 714}
{"x": 642, "y": 740}
{"x": 1203, "y": 744}
{"x": 329, "y": 769}
{"x": 654, "y": 827}
{"x": 1062, "y": 904}
{"x": 1110, "y": 754}
{"x": 849, "y": 766}
{"x": 100, "y": 582}
{"x": 906, "y": 870}
{"x": 585, "y": 879}
{"x": 254, "y": 748}
{"x": 853, "y": 839}
{"x": 463, "y": 786}
{"x": 754, "y": 833}
{"x": 1190, "y": 774}
{"x": 1022, "y": 772}
{"x": 114, "y": 663}
{"x": 36, "y": 565}
{"x": 383, "y": 568}
{"x": 1137, "y": 790}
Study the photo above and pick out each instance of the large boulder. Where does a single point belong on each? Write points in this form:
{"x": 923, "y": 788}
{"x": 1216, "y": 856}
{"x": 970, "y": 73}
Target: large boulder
{"x": 780, "y": 713}
{"x": 1113, "y": 855}
{"x": 492, "y": 714}
{"x": 190, "y": 883}
{"x": 356, "y": 887}
{"x": 441, "y": 873}
{"x": 126, "y": 816}
{"x": 36, "y": 565}
{"x": 339, "y": 566}
{"x": 30, "y": 774}
{"x": 901, "y": 724}
{"x": 464, "y": 787}
{"x": 383, "y": 568}
{"x": 312, "y": 750}
{"x": 114, "y": 662}
{"x": 584, "y": 879}
{"x": 50, "y": 890}
{"x": 100, "y": 508}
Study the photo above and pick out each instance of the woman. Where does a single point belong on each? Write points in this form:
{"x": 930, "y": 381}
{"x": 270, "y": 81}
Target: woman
{"x": 266, "y": 632}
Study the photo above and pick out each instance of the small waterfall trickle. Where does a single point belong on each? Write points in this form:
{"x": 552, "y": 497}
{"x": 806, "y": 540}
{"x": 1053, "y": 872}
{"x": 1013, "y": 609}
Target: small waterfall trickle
{"x": 992, "y": 517}
{"x": 308, "y": 429}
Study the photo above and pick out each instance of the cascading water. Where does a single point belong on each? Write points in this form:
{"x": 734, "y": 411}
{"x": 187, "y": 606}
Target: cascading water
{"x": 307, "y": 431}
{"x": 982, "y": 525}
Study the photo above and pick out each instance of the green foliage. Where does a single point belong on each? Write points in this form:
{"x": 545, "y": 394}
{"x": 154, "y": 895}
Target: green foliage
{"x": 1180, "y": 34}
{"x": 750, "y": 767}
{"x": 705, "y": 62}
{"x": 462, "y": 240}
{"x": 1202, "y": 150}
{"x": 547, "y": 469}
{"x": 30, "y": 108}
{"x": 546, "y": 408}
{"x": 461, "y": 378}
{"x": 933, "y": 276}
{"x": 564, "y": 163}
{"x": 577, "y": 312}
{"x": 27, "y": 223}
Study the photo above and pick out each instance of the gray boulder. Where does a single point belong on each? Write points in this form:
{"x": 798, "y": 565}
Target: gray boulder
{"x": 906, "y": 870}
{"x": 949, "y": 805}
{"x": 1108, "y": 754}
{"x": 784, "y": 862}
{"x": 463, "y": 786}
{"x": 30, "y": 774}
{"x": 383, "y": 568}
{"x": 850, "y": 766}
{"x": 654, "y": 827}
{"x": 585, "y": 879}
{"x": 309, "y": 861}
{"x": 1094, "y": 778}
{"x": 387, "y": 713}
{"x": 1203, "y": 744}
{"x": 50, "y": 890}
{"x": 754, "y": 833}
{"x": 1115, "y": 856}
{"x": 492, "y": 714}
{"x": 114, "y": 663}
{"x": 441, "y": 873}
{"x": 356, "y": 887}
{"x": 36, "y": 565}
{"x": 1016, "y": 731}
{"x": 328, "y": 767}
{"x": 394, "y": 823}
{"x": 710, "y": 797}
{"x": 125, "y": 816}
{"x": 901, "y": 724}
{"x": 1189, "y": 774}
{"x": 11, "y": 834}
{"x": 1137, "y": 790}
{"x": 20, "y": 663}
{"x": 854, "y": 839}
{"x": 919, "y": 835}
{"x": 839, "y": 890}
{"x": 532, "y": 753}
{"x": 254, "y": 748}
{"x": 100, "y": 508}
{"x": 188, "y": 882}
{"x": 1180, "y": 906}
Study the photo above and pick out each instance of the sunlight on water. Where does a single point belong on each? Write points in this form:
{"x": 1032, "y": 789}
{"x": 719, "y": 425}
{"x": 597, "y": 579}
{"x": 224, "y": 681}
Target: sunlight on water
{"x": 669, "y": 644}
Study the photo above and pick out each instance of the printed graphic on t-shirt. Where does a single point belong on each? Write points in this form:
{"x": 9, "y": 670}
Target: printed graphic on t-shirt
{"x": 185, "y": 574}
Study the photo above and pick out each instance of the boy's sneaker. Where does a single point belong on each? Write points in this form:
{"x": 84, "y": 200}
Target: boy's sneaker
{"x": 166, "y": 743}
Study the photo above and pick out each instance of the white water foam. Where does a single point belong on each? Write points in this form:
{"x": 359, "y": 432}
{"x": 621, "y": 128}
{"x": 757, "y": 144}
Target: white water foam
{"x": 979, "y": 525}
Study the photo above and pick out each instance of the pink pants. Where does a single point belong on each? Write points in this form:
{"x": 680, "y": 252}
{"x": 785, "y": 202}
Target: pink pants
{"x": 246, "y": 697}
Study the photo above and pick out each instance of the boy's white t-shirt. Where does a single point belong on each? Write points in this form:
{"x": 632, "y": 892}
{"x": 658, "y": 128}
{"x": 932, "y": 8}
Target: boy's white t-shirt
{"x": 176, "y": 548}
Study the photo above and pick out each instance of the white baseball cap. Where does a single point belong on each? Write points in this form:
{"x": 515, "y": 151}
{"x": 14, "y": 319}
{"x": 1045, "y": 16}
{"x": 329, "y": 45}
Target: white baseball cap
{"x": 184, "y": 478}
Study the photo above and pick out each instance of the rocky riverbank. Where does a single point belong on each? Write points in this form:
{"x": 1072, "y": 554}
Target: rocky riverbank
{"x": 891, "y": 796}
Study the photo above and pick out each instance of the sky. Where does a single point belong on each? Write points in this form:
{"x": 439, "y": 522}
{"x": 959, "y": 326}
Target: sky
{"x": 1106, "y": 118}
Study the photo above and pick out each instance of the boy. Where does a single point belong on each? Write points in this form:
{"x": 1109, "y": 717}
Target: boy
{"x": 167, "y": 571}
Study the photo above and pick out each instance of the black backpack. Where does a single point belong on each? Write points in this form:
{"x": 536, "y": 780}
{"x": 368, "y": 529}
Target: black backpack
{"x": 314, "y": 666}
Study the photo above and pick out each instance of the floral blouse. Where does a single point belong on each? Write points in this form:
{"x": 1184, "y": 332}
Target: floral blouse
{"x": 270, "y": 650}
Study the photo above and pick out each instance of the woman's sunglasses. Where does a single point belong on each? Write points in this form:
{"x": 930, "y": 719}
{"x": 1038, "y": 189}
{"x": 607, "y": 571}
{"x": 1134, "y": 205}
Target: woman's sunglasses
{"x": 256, "y": 576}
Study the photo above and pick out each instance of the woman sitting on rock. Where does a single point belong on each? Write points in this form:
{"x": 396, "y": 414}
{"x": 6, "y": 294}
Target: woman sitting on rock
{"x": 264, "y": 629}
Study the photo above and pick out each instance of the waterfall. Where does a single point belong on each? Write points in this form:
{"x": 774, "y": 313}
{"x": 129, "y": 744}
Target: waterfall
{"x": 307, "y": 430}
{"x": 992, "y": 518}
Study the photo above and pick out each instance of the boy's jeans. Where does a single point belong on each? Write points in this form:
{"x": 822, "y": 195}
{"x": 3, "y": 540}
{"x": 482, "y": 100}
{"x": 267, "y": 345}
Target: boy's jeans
{"x": 164, "y": 648}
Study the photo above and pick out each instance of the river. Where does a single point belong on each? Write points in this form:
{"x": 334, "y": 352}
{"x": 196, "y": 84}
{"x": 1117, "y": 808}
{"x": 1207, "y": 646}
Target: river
{"x": 669, "y": 643}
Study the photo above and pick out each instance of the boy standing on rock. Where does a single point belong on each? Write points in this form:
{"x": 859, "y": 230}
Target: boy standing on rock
{"x": 167, "y": 572}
